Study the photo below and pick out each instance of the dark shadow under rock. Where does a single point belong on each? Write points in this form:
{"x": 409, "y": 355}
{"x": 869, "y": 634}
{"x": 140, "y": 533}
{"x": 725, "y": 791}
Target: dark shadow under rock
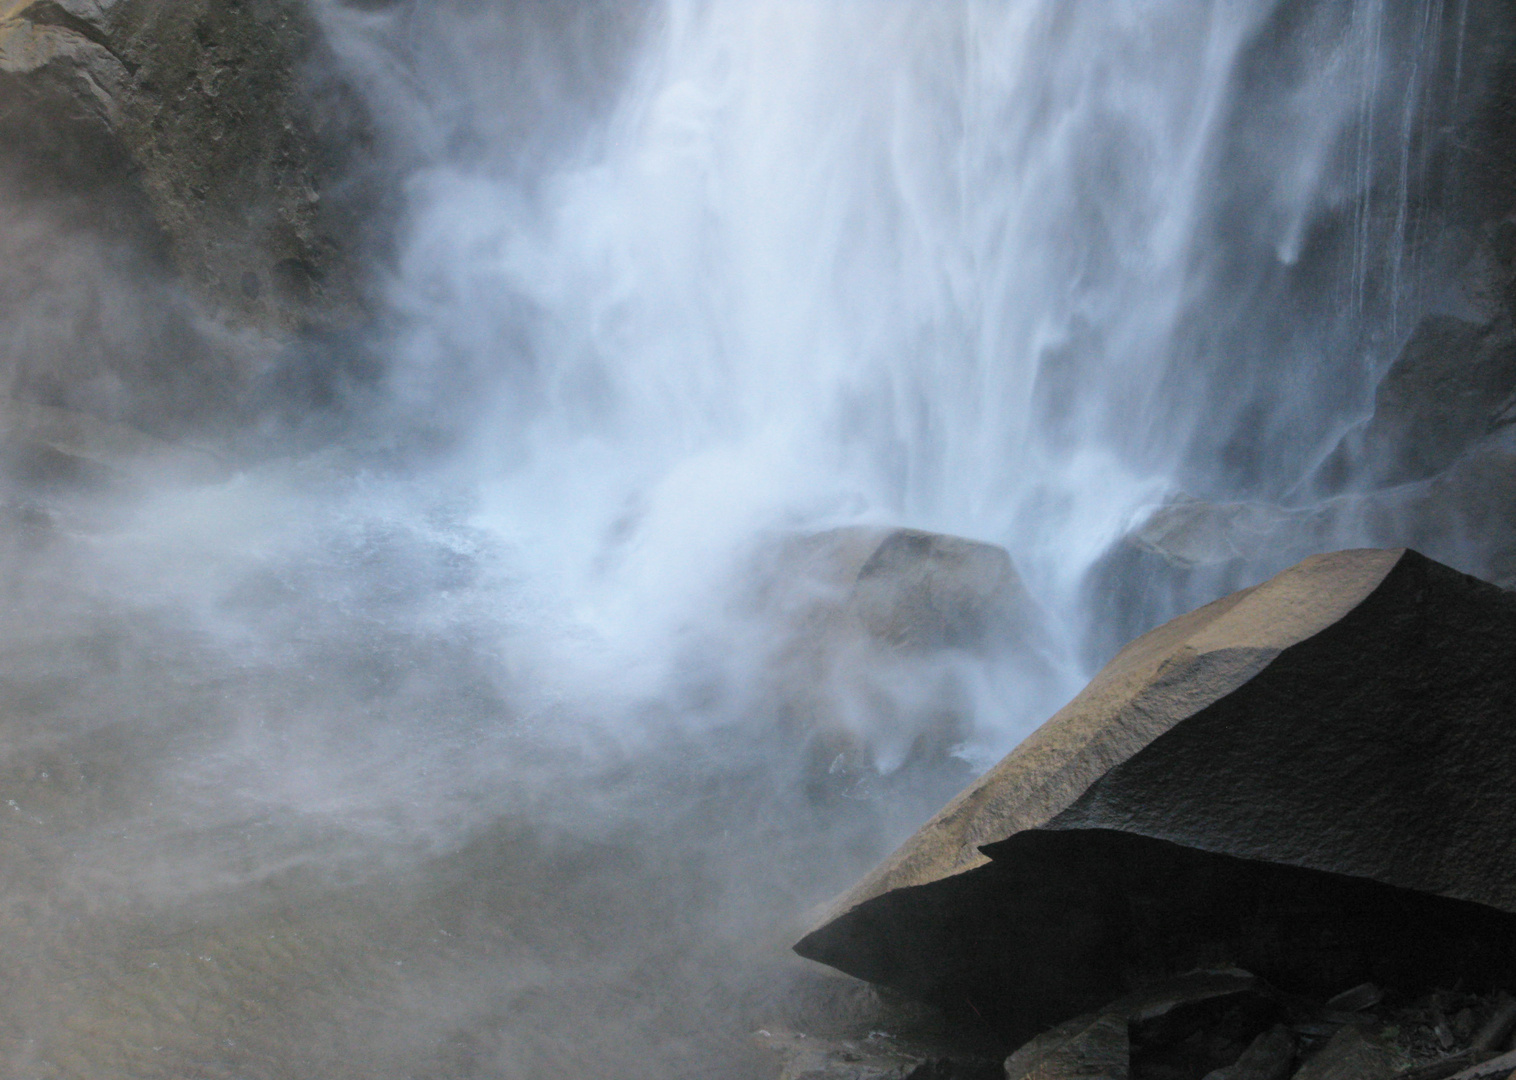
{"x": 1062, "y": 922}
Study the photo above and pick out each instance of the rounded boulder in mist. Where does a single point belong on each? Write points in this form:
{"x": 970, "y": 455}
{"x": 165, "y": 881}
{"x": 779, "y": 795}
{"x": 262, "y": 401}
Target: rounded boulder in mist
{"x": 881, "y": 634}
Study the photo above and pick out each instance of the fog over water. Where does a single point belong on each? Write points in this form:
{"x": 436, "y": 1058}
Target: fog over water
{"x": 457, "y": 742}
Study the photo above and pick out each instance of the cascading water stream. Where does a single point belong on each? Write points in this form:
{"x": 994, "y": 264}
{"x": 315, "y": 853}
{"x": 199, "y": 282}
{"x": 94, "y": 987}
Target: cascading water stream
{"x": 952, "y": 266}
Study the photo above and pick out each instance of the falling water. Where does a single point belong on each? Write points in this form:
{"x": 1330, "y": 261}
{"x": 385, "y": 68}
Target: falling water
{"x": 1014, "y": 272}
{"x": 453, "y": 748}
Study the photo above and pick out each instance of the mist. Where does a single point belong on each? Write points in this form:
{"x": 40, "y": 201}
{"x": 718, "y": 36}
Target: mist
{"x": 434, "y": 712}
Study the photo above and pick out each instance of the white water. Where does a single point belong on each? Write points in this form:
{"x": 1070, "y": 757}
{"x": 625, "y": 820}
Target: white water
{"x": 925, "y": 264}
{"x": 486, "y": 743}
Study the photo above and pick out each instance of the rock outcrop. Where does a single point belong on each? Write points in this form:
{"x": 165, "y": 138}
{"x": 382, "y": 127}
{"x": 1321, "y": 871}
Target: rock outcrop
{"x": 1084, "y": 1049}
{"x": 1451, "y": 385}
{"x": 209, "y": 109}
{"x": 1308, "y": 777}
{"x": 1189, "y": 550}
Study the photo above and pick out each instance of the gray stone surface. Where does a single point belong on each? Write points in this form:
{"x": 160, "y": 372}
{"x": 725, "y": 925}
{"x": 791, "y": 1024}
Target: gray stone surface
{"x": 1157, "y": 681}
{"x": 1084, "y": 1049}
{"x": 1497, "y": 1068}
{"x": 877, "y": 631}
{"x": 1446, "y": 390}
{"x": 1353, "y": 1055}
{"x": 1270, "y": 1056}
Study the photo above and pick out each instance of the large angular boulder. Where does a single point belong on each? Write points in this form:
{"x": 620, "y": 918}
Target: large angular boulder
{"x": 1308, "y": 777}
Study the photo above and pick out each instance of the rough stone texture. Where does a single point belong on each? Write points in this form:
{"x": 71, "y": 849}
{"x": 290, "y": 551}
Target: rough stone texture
{"x": 832, "y": 1026}
{"x": 1410, "y": 690}
{"x": 1328, "y": 740}
{"x": 1497, "y": 1028}
{"x": 1270, "y": 1056}
{"x": 907, "y": 589}
{"x": 1495, "y": 1069}
{"x": 1083, "y": 1049}
{"x": 826, "y": 1059}
{"x": 1353, "y": 1055}
{"x": 57, "y": 56}
{"x": 1162, "y": 678}
{"x": 1471, "y": 505}
{"x": 1190, "y": 1024}
{"x": 868, "y": 1058}
{"x": 1188, "y": 532}
{"x": 924, "y": 590}
{"x": 208, "y": 103}
{"x": 1178, "y": 1027}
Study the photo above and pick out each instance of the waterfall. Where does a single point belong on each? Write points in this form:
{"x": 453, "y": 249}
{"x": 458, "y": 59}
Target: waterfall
{"x": 469, "y": 724}
{"x": 1018, "y": 272}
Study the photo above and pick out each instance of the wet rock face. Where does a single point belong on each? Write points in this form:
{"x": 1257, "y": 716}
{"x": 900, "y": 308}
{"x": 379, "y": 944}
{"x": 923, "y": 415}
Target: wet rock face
{"x": 910, "y": 590}
{"x": 1190, "y": 550}
{"x": 1452, "y": 384}
{"x": 210, "y": 105}
{"x": 880, "y": 636}
{"x": 1307, "y": 776}
{"x": 923, "y": 590}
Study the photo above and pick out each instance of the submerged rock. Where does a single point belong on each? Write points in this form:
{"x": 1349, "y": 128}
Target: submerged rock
{"x": 1307, "y": 777}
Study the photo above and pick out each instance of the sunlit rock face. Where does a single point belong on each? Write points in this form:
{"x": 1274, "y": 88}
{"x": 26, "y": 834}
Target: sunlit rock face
{"x": 1297, "y": 776}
